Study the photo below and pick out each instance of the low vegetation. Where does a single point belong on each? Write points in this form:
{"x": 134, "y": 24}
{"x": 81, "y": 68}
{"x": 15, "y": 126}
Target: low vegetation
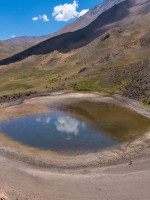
{"x": 116, "y": 62}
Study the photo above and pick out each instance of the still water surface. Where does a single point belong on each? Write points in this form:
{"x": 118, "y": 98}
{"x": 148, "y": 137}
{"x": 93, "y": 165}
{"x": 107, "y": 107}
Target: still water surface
{"x": 77, "y": 128}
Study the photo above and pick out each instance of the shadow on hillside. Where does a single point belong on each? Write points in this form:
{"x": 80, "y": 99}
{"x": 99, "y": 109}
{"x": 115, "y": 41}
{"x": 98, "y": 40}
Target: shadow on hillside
{"x": 73, "y": 40}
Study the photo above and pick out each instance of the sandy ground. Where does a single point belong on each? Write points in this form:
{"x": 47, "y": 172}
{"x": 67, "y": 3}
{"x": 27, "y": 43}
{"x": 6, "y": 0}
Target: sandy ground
{"x": 105, "y": 175}
{"x": 121, "y": 182}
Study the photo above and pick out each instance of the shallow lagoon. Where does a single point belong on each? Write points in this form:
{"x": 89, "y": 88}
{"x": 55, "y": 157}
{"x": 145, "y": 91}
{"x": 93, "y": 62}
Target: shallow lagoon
{"x": 77, "y": 128}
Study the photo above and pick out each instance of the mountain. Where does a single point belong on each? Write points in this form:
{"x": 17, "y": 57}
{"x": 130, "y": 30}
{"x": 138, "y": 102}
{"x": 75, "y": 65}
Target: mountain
{"x": 15, "y": 45}
{"x": 121, "y": 14}
{"x": 7, "y": 50}
{"x": 89, "y": 17}
{"x": 110, "y": 55}
{"x": 26, "y": 39}
{"x": 82, "y": 22}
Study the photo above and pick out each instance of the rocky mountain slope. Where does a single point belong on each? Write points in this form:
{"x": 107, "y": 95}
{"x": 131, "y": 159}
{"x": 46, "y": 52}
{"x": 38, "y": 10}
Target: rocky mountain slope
{"x": 24, "y": 42}
{"x": 110, "y": 55}
{"x": 82, "y": 22}
{"x": 121, "y": 14}
{"x": 89, "y": 17}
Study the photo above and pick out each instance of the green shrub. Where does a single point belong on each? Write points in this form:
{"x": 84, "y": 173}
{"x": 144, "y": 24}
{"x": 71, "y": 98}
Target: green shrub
{"x": 15, "y": 86}
{"x": 86, "y": 86}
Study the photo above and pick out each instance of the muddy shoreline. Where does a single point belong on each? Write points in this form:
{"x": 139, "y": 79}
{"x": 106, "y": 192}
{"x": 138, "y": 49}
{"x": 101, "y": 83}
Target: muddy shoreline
{"x": 122, "y": 154}
{"x": 16, "y": 99}
{"x": 35, "y": 175}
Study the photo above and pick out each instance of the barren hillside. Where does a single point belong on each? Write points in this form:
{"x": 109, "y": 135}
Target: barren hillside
{"x": 110, "y": 55}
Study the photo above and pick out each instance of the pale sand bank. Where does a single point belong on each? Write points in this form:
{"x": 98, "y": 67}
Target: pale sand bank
{"x": 30, "y": 174}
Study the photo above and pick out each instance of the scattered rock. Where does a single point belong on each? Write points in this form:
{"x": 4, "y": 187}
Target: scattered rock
{"x": 120, "y": 30}
{"x": 105, "y": 37}
{"x": 14, "y": 97}
{"x": 82, "y": 70}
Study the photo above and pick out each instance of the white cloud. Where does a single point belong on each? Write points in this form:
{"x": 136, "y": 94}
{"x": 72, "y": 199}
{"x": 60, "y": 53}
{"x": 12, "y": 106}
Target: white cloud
{"x": 67, "y": 11}
{"x": 83, "y": 12}
{"x": 67, "y": 125}
{"x": 35, "y": 18}
{"x": 13, "y": 36}
{"x": 44, "y": 18}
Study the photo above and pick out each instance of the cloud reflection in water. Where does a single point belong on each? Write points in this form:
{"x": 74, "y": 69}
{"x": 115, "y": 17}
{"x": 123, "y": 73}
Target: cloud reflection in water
{"x": 45, "y": 120}
{"x": 67, "y": 124}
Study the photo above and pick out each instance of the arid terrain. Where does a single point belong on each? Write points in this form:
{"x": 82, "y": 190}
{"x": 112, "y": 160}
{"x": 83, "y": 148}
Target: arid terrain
{"x": 32, "y": 174}
{"x": 103, "y": 56}
{"x": 20, "y": 181}
{"x": 114, "y": 58}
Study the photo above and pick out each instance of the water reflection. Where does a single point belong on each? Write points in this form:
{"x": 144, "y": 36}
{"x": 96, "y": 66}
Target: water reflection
{"x": 77, "y": 128}
{"x": 67, "y": 125}
{"x": 117, "y": 123}
{"x": 45, "y": 120}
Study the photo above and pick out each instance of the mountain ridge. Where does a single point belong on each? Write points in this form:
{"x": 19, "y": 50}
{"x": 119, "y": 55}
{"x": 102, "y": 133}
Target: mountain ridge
{"x": 6, "y": 50}
{"x": 25, "y": 39}
{"x": 89, "y": 17}
{"x": 72, "y": 40}
{"x": 111, "y": 55}
{"x": 80, "y": 23}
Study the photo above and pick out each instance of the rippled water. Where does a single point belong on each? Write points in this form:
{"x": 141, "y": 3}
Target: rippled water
{"x": 80, "y": 127}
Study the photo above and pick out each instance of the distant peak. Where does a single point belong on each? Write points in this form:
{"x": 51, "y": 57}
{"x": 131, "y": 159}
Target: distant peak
{"x": 107, "y": 4}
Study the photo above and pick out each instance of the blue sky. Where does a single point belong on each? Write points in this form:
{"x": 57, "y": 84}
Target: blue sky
{"x": 34, "y": 17}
